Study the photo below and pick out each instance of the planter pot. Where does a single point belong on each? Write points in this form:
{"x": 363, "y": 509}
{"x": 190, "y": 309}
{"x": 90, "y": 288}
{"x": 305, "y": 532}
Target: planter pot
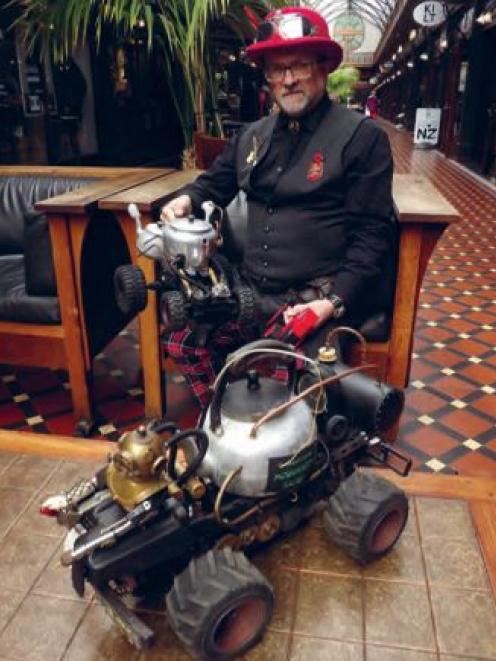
{"x": 207, "y": 148}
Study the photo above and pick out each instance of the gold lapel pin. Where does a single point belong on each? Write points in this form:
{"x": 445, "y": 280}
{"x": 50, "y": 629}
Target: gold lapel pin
{"x": 251, "y": 159}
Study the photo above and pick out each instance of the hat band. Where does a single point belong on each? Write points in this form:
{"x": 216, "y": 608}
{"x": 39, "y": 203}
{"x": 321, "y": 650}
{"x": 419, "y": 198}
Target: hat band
{"x": 286, "y": 27}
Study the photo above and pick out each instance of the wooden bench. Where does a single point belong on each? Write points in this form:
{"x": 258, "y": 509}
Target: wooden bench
{"x": 423, "y": 215}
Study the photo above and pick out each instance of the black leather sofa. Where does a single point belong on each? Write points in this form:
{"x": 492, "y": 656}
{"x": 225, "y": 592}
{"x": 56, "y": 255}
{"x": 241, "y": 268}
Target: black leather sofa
{"x": 44, "y": 321}
{"x": 28, "y": 290}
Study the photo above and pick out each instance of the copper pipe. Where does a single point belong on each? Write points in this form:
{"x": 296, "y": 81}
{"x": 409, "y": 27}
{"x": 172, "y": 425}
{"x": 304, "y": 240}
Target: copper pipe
{"x": 352, "y": 331}
{"x": 282, "y": 407}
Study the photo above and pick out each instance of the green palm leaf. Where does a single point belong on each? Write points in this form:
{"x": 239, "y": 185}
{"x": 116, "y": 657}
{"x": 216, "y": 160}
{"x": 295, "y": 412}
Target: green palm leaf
{"x": 180, "y": 29}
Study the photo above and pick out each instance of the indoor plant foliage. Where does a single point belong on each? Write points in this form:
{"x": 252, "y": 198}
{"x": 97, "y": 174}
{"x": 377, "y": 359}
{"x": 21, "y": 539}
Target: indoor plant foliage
{"x": 340, "y": 83}
{"x": 181, "y": 29}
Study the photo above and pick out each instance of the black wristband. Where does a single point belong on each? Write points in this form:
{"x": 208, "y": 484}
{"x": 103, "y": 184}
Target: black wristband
{"x": 338, "y": 305}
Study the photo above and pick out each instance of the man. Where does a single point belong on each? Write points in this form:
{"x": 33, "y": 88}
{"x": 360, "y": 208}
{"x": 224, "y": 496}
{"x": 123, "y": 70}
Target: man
{"x": 318, "y": 183}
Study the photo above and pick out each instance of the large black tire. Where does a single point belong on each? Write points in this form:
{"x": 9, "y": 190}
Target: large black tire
{"x": 366, "y": 516}
{"x": 173, "y": 310}
{"x": 247, "y": 305}
{"x": 130, "y": 289}
{"x": 220, "y": 605}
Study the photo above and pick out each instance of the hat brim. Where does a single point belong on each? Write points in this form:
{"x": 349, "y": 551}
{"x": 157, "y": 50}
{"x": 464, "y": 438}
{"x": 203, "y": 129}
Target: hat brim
{"x": 330, "y": 50}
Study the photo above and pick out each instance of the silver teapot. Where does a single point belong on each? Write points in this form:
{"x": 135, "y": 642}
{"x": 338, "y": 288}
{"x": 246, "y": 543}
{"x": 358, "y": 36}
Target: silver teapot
{"x": 194, "y": 239}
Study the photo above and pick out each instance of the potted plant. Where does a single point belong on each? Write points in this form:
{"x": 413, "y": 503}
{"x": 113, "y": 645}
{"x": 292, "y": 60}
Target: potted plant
{"x": 180, "y": 29}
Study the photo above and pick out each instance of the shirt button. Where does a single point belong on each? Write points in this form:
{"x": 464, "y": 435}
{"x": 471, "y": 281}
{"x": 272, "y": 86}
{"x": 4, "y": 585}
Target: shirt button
{"x": 264, "y": 278}
{"x": 270, "y": 211}
{"x": 266, "y": 264}
{"x": 267, "y": 229}
{"x": 266, "y": 247}
{"x": 279, "y": 169}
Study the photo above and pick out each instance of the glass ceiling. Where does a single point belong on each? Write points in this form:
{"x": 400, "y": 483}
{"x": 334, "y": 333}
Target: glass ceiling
{"x": 376, "y": 12}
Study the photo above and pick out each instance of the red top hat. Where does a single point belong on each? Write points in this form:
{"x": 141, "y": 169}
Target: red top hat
{"x": 295, "y": 28}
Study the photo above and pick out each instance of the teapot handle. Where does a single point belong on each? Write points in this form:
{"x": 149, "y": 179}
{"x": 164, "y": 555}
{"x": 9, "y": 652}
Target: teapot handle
{"x": 236, "y": 358}
{"x": 209, "y": 207}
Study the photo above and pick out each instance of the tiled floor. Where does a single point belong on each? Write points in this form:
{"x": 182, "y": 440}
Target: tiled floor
{"x": 430, "y": 599}
{"x": 449, "y": 421}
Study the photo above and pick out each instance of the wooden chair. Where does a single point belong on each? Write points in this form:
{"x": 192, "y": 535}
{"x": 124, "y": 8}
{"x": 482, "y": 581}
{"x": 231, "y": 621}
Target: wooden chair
{"x": 423, "y": 215}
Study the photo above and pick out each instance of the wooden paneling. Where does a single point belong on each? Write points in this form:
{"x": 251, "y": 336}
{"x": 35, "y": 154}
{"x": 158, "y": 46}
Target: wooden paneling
{"x": 63, "y": 447}
{"x": 84, "y": 199}
{"x": 463, "y": 487}
{"x": 33, "y": 348}
{"x": 68, "y": 171}
{"x": 71, "y": 321}
{"x": 484, "y": 517}
{"x": 418, "y": 200}
{"x": 151, "y": 194}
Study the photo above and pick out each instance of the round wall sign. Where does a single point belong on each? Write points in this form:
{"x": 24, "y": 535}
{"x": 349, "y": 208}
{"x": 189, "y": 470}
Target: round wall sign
{"x": 430, "y": 14}
{"x": 349, "y": 31}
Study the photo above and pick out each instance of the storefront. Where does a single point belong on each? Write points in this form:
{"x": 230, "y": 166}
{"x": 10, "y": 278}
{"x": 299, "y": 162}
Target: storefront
{"x": 110, "y": 106}
{"x": 449, "y": 67}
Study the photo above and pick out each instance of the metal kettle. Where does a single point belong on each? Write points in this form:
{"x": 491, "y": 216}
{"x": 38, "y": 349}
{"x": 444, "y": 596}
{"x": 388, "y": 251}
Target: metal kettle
{"x": 195, "y": 239}
{"x": 279, "y": 455}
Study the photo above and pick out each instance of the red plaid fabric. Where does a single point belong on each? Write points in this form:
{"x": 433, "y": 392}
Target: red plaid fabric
{"x": 200, "y": 364}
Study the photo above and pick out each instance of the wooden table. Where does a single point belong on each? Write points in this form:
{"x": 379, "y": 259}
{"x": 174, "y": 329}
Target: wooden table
{"x": 148, "y": 197}
{"x": 423, "y": 215}
{"x": 69, "y": 216}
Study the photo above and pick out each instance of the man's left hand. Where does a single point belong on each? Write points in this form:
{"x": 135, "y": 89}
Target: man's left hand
{"x": 322, "y": 308}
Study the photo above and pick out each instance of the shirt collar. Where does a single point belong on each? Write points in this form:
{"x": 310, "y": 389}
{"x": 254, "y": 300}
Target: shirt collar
{"x": 308, "y": 122}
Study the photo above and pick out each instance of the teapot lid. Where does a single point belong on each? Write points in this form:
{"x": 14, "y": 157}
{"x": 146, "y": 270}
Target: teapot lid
{"x": 191, "y": 225}
{"x": 250, "y": 398}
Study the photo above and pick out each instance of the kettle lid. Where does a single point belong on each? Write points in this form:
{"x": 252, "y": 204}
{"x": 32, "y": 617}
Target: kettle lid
{"x": 191, "y": 225}
{"x": 250, "y": 398}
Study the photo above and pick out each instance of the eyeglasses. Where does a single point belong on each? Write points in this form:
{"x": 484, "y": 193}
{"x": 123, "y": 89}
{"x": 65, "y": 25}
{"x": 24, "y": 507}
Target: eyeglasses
{"x": 287, "y": 27}
{"x": 275, "y": 73}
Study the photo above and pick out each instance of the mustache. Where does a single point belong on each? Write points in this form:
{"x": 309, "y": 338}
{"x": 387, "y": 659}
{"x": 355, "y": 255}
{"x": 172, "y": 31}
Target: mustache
{"x": 292, "y": 91}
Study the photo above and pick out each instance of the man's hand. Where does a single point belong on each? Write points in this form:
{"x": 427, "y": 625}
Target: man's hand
{"x": 179, "y": 206}
{"x": 322, "y": 308}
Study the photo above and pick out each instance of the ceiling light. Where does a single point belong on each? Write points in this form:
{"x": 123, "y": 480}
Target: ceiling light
{"x": 424, "y": 56}
{"x": 410, "y": 64}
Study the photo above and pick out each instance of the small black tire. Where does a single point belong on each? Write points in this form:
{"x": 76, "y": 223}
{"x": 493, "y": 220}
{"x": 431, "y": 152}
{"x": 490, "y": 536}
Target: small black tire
{"x": 220, "y": 605}
{"x": 130, "y": 289}
{"x": 173, "y": 309}
{"x": 366, "y": 516}
{"x": 337, "y": 429}
{"x": 247, "y": 305}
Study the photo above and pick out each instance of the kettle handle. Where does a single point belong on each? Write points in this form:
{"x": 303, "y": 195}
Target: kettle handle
{"x": 237, "y": 357}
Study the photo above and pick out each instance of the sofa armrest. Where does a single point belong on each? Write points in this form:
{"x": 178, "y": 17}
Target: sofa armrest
{"x": 38, "y": 259}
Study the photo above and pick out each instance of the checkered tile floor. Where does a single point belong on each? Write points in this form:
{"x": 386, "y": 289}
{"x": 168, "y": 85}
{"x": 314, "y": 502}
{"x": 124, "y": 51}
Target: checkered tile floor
{"x": 449, "y": 422}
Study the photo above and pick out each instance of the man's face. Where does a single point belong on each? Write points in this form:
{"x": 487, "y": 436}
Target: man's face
{"x": 297, "y": 80}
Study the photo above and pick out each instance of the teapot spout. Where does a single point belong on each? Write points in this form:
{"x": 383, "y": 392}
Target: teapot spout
{"x": 133, "y": 211}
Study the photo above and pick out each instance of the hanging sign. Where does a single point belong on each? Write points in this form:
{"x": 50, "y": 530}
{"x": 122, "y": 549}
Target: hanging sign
{"x": 427, "y": 125}
{"x": 430, "y": 14}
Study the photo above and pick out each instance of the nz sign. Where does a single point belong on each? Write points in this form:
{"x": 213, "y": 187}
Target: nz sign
{"x": 430, "y": 14}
